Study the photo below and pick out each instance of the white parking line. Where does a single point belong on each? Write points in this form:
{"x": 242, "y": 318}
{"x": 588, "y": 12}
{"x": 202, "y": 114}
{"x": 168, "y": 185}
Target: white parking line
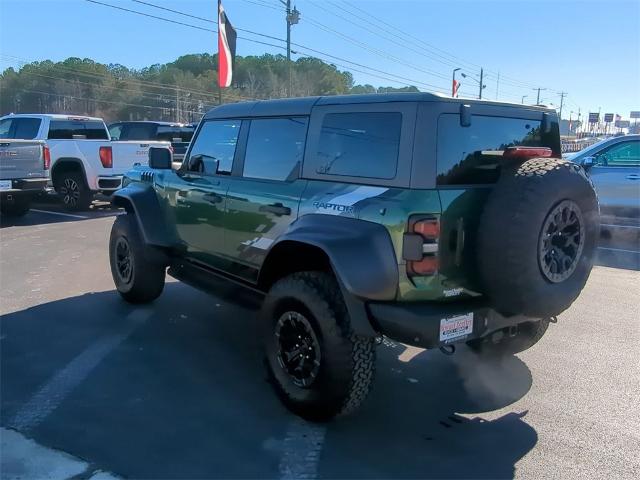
{"x": 58, "y": 213}
{"x": 618, "y": 226}
{"x": 618, "y": 250}
{"x": 52, "y": 393}
{"x": 302, "y": 449}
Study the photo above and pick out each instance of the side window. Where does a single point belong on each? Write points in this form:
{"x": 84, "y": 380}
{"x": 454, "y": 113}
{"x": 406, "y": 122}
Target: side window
{"x": 115, "y": 131}
{"x": 275, "y": 148}
{"x": 214, "y": 147}
{"x": 626, "y": 154}
{"x": 360, "y": 144}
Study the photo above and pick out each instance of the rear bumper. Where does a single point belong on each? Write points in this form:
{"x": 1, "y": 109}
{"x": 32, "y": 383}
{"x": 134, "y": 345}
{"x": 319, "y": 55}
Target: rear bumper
{"x": 109, "y": 183}
{"x": 419, "y": 324}
{"x": 26, "y": 186}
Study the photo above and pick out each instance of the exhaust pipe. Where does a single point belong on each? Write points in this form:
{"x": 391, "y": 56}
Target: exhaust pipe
{"x": 448, "y": 349}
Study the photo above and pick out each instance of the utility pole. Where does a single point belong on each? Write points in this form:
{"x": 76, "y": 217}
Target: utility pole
{"x": 562, "y": 95}
{"x": 497, "y": 85}
{"x": 293, "y": 17}
{"x": 481, "y": 85}
{"x": 538, "y": 97}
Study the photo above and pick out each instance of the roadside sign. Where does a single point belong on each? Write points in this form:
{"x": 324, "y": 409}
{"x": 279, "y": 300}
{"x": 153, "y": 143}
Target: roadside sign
{"x": 635, "y": 114}
{"x": 594, "y": 117}
{"x": 623, "y": 124}
{"x": 608, "y": 117}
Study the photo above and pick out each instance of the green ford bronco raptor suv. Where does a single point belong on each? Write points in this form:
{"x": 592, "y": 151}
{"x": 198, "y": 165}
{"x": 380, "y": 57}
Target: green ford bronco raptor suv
{"x": 429, "y": 220}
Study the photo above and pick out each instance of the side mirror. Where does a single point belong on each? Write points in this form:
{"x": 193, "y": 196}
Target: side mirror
{"x": 159, "y": 158}
{"x": 588, "y": 162}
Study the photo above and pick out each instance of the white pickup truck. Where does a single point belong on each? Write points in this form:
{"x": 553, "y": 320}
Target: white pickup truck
{"x": 84, "y": 160}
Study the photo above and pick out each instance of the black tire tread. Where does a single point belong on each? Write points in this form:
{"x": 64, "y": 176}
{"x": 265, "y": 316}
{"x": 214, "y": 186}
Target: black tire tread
{"x": 506, "y": 275}
{"x": 357, "y": 354}
{"x": 149, "y": 276}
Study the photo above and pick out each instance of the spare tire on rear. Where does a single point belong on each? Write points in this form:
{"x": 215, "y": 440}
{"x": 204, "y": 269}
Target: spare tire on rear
{"x": 537, "y": 237}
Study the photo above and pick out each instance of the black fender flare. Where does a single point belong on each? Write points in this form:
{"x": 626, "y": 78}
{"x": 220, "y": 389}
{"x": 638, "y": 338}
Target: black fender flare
{"x": 60, "y": 162}
{"x": 361, "y": 255}
{"x": 142, "y": 201}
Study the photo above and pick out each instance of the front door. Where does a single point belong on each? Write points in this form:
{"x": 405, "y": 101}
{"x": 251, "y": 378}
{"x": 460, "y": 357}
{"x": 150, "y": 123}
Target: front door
{"x": 263, "y": 201}
{"x": 199, "y": 196}
{"x": 616, "y": 176}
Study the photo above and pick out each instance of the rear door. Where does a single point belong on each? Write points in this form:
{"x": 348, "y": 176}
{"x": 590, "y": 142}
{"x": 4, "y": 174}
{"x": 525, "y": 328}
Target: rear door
{"x": 616, "y": 176}
{"x": 198, "y": 196}
{"x": 265, "y": 190}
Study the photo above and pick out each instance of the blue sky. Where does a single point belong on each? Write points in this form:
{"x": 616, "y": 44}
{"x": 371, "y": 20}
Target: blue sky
{"x": 589, "y": 49}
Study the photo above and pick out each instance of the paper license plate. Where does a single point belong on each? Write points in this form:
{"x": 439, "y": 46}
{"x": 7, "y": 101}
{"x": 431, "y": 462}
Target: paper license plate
{"x": 5, "y": 184}
{"x": 456, "y": 327}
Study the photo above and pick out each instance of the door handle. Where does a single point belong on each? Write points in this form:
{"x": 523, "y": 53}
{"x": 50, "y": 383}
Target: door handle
{"x": 276, "y": 208}
{"x": 633, "y": 176}
{"x": 212, "y": 198}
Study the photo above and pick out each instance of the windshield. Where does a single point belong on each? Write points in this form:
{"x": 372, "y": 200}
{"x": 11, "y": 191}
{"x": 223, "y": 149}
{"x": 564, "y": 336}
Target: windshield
{"x": 590, "y": 150}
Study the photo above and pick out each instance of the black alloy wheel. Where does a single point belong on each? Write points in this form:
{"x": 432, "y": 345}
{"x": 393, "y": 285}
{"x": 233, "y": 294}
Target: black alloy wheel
{"x": 561, "y": 241}
{"x": 298, "y": 348}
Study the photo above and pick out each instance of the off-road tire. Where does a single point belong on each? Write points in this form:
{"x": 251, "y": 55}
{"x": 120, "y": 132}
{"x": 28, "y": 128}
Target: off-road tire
{"x": 71, "y": 186}
{"x": 146, "y": 280}
{"x": 529, "y": 333}
{"x": 18, "y": 207}
{"x": 347, "y": 364}
{"x": 510, "y": 233}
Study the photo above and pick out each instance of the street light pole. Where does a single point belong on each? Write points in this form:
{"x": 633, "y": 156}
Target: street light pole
{"x": 453, "y": 83}
{"x": 523, "y": 97}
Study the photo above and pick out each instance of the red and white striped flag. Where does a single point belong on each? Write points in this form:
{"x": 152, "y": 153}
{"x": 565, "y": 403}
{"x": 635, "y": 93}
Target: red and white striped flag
{"x": 226, "y": 48}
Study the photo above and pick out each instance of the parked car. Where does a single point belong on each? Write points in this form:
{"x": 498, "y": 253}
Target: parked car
{"x": 84, "y": 160}
{"x": 614, "y": 166}
{"x": 430, "y": 220}
{"x": 179, "y": 134}
{"x": 24, "y": 172}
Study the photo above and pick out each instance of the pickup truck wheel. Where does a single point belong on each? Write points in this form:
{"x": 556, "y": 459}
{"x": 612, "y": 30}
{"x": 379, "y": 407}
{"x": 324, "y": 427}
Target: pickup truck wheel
{"x": 318, "y": 367}
{"x": 18, "y": 207}
{"x": 73, "y": 191}
{"x": 137, "y": 278}
{"x": 529, "y": 333}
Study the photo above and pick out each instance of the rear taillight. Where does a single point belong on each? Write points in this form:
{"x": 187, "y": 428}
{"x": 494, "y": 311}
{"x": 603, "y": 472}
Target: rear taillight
{"x": 106, "y": 157}
{"x": 46, "y": 157}
{"x": 420, "y": 248}
{"x": 527, "y": 152}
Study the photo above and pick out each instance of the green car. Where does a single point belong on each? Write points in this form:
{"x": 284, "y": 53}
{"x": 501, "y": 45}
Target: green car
{"x": 429, "y": 220}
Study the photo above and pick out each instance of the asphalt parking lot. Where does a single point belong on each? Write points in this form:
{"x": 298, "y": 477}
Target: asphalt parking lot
{"x": 177, "y": 389}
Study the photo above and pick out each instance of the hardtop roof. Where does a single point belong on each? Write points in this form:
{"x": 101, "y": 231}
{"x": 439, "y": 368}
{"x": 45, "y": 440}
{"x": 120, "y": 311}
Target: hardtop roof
{"x": 304, "y": 105}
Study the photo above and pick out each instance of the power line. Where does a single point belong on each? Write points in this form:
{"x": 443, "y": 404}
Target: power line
{"x": 186, "y": 24}
{"x": 101, "y": 101}
{"x": 317, "y": 52}
{"x": 131, "y": 80}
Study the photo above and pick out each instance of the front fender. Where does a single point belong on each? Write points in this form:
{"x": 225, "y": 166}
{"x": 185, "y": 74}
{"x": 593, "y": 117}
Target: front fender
{"x": 142, "y": 201}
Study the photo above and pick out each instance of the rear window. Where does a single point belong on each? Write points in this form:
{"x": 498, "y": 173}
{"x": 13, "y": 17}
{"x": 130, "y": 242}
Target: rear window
{"x": 360, "y": 144}
{"x": 66, "y": 129}
{"x": 20, "y": 128}
{"x": 470, "y": 155}
{"x": 175, "y": 134}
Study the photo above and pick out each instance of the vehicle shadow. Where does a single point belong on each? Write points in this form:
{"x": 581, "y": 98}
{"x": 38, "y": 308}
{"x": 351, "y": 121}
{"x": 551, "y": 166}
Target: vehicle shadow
{"x": 184, "y": 395}
{"x": 50, "y": 212}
